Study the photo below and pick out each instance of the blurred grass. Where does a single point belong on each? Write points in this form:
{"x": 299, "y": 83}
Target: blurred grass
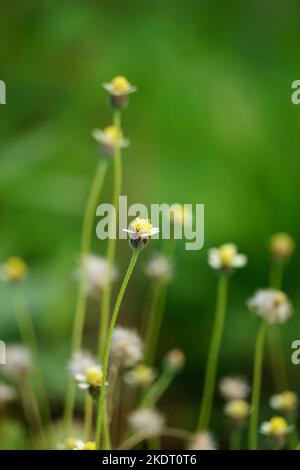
{"x": 212, "y": 123}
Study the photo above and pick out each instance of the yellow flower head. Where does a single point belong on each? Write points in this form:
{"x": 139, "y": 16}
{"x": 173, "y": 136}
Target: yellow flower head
{"x": 142, "y": 226}
{"x": 286, "y": 401}
{"x": 120, "y": 84}
{"x": 278, "y": 425}
{"x": 282, "y": 245}
{"x": 226, "y": 257}
{"x": 237, "y": 409}
{"x": 140, "y": 231}
{"x": 119, "y": 89}
{"x": 14, "y": 269}
{"x": 140, "y": 375}
{"x": 113, "y": 134}
{"x": 89, "y": 446}
{"x": 70, "y": 443}
{"x": 279, "y": 298}
{"x": 94, "y": 377}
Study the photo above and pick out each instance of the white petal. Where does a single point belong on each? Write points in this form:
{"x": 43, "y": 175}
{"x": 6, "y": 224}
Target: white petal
{"x": 239, "y": 261}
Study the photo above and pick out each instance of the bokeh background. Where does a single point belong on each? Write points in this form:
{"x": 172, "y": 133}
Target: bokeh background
{"x": 212, "y": 123}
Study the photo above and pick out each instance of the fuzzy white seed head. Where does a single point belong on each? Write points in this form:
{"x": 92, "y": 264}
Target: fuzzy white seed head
{"x": 126, "y": 347}
{"x": 203, "y": 441}
{"x": 18, "y": 361}
{"x": 96, "y": 272}
{"x": 147, "y": 420}
{"x": 271, "y": 305}
{"x": 234, "y": 388}
{"x": 159, "y": 268}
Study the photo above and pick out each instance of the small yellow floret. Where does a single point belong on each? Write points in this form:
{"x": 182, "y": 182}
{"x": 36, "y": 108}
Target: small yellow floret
{"x": 227, "y": 253}
{"x": 142, "y": 226}
{"x": 282, "y": 245}
{"x": 279, "y": 298}
{"x": 94, "y": 377}
{"x": 15, "y": 268}
{"x": 89, "y": 446}
{"x": 70, "y": 443}
{"x": 112, "y": 133}
{"x": 237, "y": 409}
{"x": 120, "y": 84}
{"x": 142, "y": 374}
{"x": 278, "y": 425}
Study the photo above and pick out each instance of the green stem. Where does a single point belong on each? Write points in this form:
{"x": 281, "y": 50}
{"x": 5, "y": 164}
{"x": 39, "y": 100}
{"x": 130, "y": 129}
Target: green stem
{"x": 81, "y": 301}
{"x": 157, "y": 389}
{"x": 106, "y": 431}
{"x": 278, "y": 368}
{"x": 88, "y": 416}
{"x": 235, "y": 439}
{"x": 213, "y": 355}
{"x": 101, "y": 405}
{"x": 111, "y": 246}
{"x": 256, "y": 386}
{"x": 155, "y": 321}
{"x": 29, "y": 338}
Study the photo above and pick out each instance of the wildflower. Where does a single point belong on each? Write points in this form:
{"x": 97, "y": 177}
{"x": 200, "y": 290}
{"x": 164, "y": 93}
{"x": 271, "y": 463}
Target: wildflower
{"x": 226, "y": 257}
{"x": 147, "y": 420}
{"x": 95, "y": 270}
{"x": 70, "y": 443}
{"x": 272, "y": 305}
{"x": 234, "y": 388}
{"x": 140, "y": 375}
{"x": 18, "y": 361}
{"x": 281, "y": 246}
{"x": 175, "y": 359}
{"x": 237, "y": 410}
{"x": 80, "y": 445}
{"x": 109, "y": 139}
{"x": 119, "y": 89}
{"x": 126, "y": 347}
{"x": 140, "y": 231}
{"x": 277, "y": 428}
{"x": 202, "y": 441}
{"x": 14, "y": 269}
{"x": 80, "y": 362}
{"x": 286, "y": 402}
{"x": 7, "y": 395}
{"x": 159, "y": 268}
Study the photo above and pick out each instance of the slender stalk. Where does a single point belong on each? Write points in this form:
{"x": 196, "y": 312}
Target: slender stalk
{"x": 256, "y": 386}
{"x": 140, "y": 436}
{"x": 101, "y": 405}
{"x": 157, "y": 389}
{"x": 235, "y": 439}
{"x": 111, "y": 246}
{"x": 88, "y": 416}
{"x": 106, "y": 431}
{"x": 155, "y": 321}
{"x": 213, "y": 355}
{"x": 278, "y": 368}
{"x": 81, "y": 301}
{"x": 31, "y": 411}
{"x": 29, "y": 338}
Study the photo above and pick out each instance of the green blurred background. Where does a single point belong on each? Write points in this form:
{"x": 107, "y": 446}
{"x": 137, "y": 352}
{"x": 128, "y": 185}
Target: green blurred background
{"x": 212, "y": 123}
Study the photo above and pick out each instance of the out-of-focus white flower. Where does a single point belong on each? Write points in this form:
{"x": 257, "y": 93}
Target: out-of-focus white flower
{"x": 147, "y": 420}
{"x": 7, "y": 395}
{"x": 140, "y": 231}
{"x": 203, "y": 441}
{"x": 18, "y": 361}
{"x": 160, "y": 268}
{"x": 96, "y": 272}
{"x": 86, "y": 371}
{"x": 272, "y": 305}
{"x": 14, "y": 269}
{"x": 286, "y": 402}
{"x": 126, "y": 347}
{"x": 282, "y": 246}
{"x": 119, "y": 89}
{"x": 234, "y": 388}
{"x": 119, "y": 86}
{"x": 80, "y": 362}
{"x": 226, "y": 257}
{"x": 237, "y": 410}
{"x": 141, "y": 375}
{"x": 109, "y": 139}
{"x": 80, "y": 445}
{"x": 277, "y": 428}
